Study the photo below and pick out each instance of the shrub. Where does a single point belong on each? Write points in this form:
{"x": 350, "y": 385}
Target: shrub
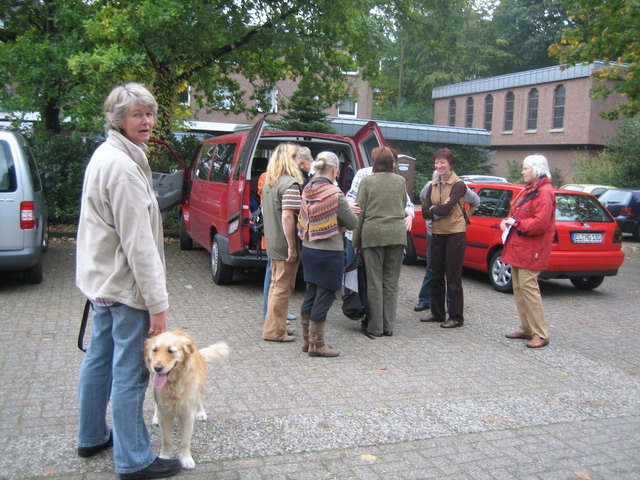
{"x": 62, "y": 160}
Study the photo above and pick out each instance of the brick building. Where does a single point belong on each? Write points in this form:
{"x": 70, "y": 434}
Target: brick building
{"x": 547, "y": 110}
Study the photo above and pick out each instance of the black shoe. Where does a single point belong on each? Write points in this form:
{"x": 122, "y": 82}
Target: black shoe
{"x": 421, "y": 307}
{"x": 388, "y": 333}
{"x": 86, "y": 452}
{"x": 160, "y": 468}
{"x": 375, "y": 334}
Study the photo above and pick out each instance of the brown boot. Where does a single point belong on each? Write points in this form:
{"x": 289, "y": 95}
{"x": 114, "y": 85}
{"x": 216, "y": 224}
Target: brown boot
{"x": 317, "y": 345}
{"x": 304, "y": 319}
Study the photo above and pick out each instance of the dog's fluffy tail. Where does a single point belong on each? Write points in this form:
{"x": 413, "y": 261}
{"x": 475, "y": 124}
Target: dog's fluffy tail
{"x": 215, "y": 353}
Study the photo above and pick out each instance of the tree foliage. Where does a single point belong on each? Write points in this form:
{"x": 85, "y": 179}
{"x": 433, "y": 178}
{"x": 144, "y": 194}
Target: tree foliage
{"x": 305, "y": 112}
{"x": 169, "y": 44}
{"x": 606, "y": 30}
{"x": 619, "y": 162}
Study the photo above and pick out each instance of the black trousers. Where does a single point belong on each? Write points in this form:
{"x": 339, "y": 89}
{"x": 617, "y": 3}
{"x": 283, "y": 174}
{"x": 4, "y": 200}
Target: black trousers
{"x": 317, "y": 302}
{"x": 447, "y": 254}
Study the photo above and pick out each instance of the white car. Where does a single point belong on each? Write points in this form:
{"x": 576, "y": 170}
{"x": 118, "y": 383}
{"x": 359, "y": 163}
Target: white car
{"x": 483, "y": 179}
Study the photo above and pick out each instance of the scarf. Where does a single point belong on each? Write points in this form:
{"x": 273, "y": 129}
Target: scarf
{"x": 319, "y": 211}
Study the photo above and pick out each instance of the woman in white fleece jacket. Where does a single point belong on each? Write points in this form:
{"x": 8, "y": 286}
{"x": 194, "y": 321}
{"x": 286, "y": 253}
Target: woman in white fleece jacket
{"x": 120, "y": 268}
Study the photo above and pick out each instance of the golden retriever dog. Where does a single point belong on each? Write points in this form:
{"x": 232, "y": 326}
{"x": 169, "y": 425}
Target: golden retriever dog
{"x": 179, "y": 369}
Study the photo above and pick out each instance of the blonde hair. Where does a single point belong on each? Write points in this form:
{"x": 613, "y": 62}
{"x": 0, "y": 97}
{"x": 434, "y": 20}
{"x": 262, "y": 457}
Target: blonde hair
{"x": 281, "y": 163}
{"x": 325, "y": 161}
{"x": 121, "y": 99}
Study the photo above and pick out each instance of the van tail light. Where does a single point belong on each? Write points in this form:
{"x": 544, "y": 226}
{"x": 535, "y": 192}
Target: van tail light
{"x": 27, "y": 215}
{"x": 617, "y": 236}
{"x": 627, "y": 212}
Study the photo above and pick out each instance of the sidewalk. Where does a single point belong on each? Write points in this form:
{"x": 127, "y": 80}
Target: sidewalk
{"x": 426, "y": 403}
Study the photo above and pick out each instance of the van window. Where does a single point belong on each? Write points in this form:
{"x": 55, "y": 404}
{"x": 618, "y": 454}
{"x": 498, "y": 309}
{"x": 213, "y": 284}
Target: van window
{"x": 204, "y": 163}
{"x": 7, "y": 169}
{"x": 221, "y": 168}
{"x": 33, "y": 170}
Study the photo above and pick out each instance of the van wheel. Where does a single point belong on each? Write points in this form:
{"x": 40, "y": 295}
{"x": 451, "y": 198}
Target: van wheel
{"x": 222, "y": 273}
{"x": 636, "y": 233}
{"x": 500, "y": 273}
{"x": 45, "y": 238}
{"x": 186, "y": 243}
{"x": 586, "y": 283}
{"x": 410, "y": 257}
{"x": 33, "y": 275}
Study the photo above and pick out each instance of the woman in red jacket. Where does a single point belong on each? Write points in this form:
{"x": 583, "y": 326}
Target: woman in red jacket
{"x": 528, "y": 247}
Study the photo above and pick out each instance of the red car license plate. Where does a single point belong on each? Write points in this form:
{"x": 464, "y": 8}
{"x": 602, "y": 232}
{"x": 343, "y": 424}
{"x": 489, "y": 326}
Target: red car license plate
{"x": 587, "y": 238}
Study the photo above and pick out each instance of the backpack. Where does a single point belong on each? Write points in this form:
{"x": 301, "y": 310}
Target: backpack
{"x": 354, "y": 291}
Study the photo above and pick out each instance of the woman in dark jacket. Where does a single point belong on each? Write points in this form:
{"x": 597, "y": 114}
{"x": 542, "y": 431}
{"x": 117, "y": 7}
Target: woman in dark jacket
{"x": 528, "y": 247}
{"x": 324, "y": 212}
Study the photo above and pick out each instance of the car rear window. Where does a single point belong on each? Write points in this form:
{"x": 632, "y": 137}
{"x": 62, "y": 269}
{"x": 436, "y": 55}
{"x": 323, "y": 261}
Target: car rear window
{"x": 7, "y": 169}
{"x": 580, "y": 208}
{"x": 616, "y": 196}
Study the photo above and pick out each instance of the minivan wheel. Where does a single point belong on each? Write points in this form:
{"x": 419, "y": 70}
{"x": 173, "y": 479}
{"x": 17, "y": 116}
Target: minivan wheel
{"x": 410, "y": 256}
{"x": 186, "y": 243}
{"x": 33, "y": 275}
{"x": 586, "y": 283}
{"x": 222, "y": 273}
{"x": 500, "y": 273}
{"x": 636, "y": 233}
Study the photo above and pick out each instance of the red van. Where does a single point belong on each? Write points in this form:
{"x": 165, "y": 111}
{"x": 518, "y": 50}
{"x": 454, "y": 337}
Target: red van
{"x": 220, "y": 197}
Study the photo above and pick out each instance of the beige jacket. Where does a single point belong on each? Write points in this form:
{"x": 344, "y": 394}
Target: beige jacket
{"x": 120, "y": 249}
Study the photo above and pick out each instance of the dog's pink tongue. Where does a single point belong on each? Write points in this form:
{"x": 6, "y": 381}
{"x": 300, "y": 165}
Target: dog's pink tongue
{"x": 159, "y": 379}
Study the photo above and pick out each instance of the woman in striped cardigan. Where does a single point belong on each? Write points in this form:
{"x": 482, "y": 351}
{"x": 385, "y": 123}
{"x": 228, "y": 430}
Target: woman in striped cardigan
{"x": 324, "y": 215}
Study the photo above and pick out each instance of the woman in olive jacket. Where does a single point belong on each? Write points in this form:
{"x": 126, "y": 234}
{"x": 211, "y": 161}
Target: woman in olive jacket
{"x": 444, "y": 205}
{"x": 528, "y": 247}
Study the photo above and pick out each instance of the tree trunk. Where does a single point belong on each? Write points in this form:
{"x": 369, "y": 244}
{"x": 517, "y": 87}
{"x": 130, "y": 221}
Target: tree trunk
{"x": 51, "y": 118}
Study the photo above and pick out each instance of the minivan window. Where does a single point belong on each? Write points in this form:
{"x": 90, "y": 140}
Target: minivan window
{"x": 33, "y": 170}
{"x": 616, "y": 196}
{"x": 580, "y": 208}
{"x": 204, "y": 162}
{"x": 7, "y": 169}
{"x": 221, "y": 168}
{"x": 494, "y": 202}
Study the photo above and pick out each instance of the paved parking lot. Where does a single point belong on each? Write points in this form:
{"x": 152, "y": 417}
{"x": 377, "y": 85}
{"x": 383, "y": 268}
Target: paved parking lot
{"x": 426, "y": 403}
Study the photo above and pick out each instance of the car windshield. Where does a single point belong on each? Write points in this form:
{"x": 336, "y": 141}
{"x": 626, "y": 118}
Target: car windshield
{"x": 616, "y": 196}
{"x": 580, "y": 208}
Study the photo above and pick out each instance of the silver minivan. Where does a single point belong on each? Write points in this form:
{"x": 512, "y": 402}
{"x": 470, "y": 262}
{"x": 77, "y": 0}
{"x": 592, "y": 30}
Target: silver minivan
{"x": 23, "y": 211}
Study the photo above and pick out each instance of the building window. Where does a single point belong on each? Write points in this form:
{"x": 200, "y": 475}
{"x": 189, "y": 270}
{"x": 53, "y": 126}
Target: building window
{"x": 222, "y": 99}
{"x": 558, "y": 107}
{"x": 532, "y": 116}
{"x": 184, "y": 97}
{"x": 488, "y": 112}
{"x": 268, "y": 101}
{"x": 469, "y": 118}
{"x": 348, "y": 108}
{"x": 452, "y": 113}
{"x": 508, "y": 112}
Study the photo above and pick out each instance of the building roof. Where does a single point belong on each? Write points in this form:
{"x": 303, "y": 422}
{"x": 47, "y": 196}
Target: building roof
{"x": 416, "y": 132}
{"x": 519, "y": 79}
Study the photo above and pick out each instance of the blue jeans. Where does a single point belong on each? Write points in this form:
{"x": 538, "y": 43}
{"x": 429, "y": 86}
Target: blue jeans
{"x": 265, "y": 288}
{"x": 114, "y": 367}
{"x": 349, "y": 251}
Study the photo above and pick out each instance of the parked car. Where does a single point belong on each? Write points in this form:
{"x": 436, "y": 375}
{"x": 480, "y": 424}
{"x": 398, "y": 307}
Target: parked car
{"x": 220, "y": 205}
{"x": 624, "y": 205}
{"x": 596, "y": 190}
{"x": 23, "y": 210}
{"x": 483, "y": 179}
{"x": 586, "y": 248}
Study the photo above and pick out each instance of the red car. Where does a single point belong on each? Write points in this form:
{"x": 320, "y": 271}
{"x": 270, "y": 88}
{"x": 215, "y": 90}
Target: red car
{"x": 586, "y": 248}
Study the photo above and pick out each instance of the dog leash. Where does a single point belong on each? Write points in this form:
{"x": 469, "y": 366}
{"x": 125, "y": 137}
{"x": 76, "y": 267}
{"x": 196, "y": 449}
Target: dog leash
{"x": 83, "y": 325}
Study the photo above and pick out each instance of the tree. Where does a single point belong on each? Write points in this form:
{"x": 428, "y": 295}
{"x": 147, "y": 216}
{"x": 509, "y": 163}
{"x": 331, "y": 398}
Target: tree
{"x": 89, "y": 47}
{"x": 433, "y": 43}
{"x": 304, "y": 112}
{"x": 36, "y": 39}
{"x": 619, "y": 162}
{"x": 528, "y": 28}
{"x": 606, "y": 30}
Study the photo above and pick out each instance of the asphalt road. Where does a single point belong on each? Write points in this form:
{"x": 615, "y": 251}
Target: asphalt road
{"x": 426, "y": 403}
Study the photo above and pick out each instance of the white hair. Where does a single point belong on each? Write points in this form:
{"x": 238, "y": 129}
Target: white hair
{"x": 324, "y": 161}
{"x": 538, "y": 164}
